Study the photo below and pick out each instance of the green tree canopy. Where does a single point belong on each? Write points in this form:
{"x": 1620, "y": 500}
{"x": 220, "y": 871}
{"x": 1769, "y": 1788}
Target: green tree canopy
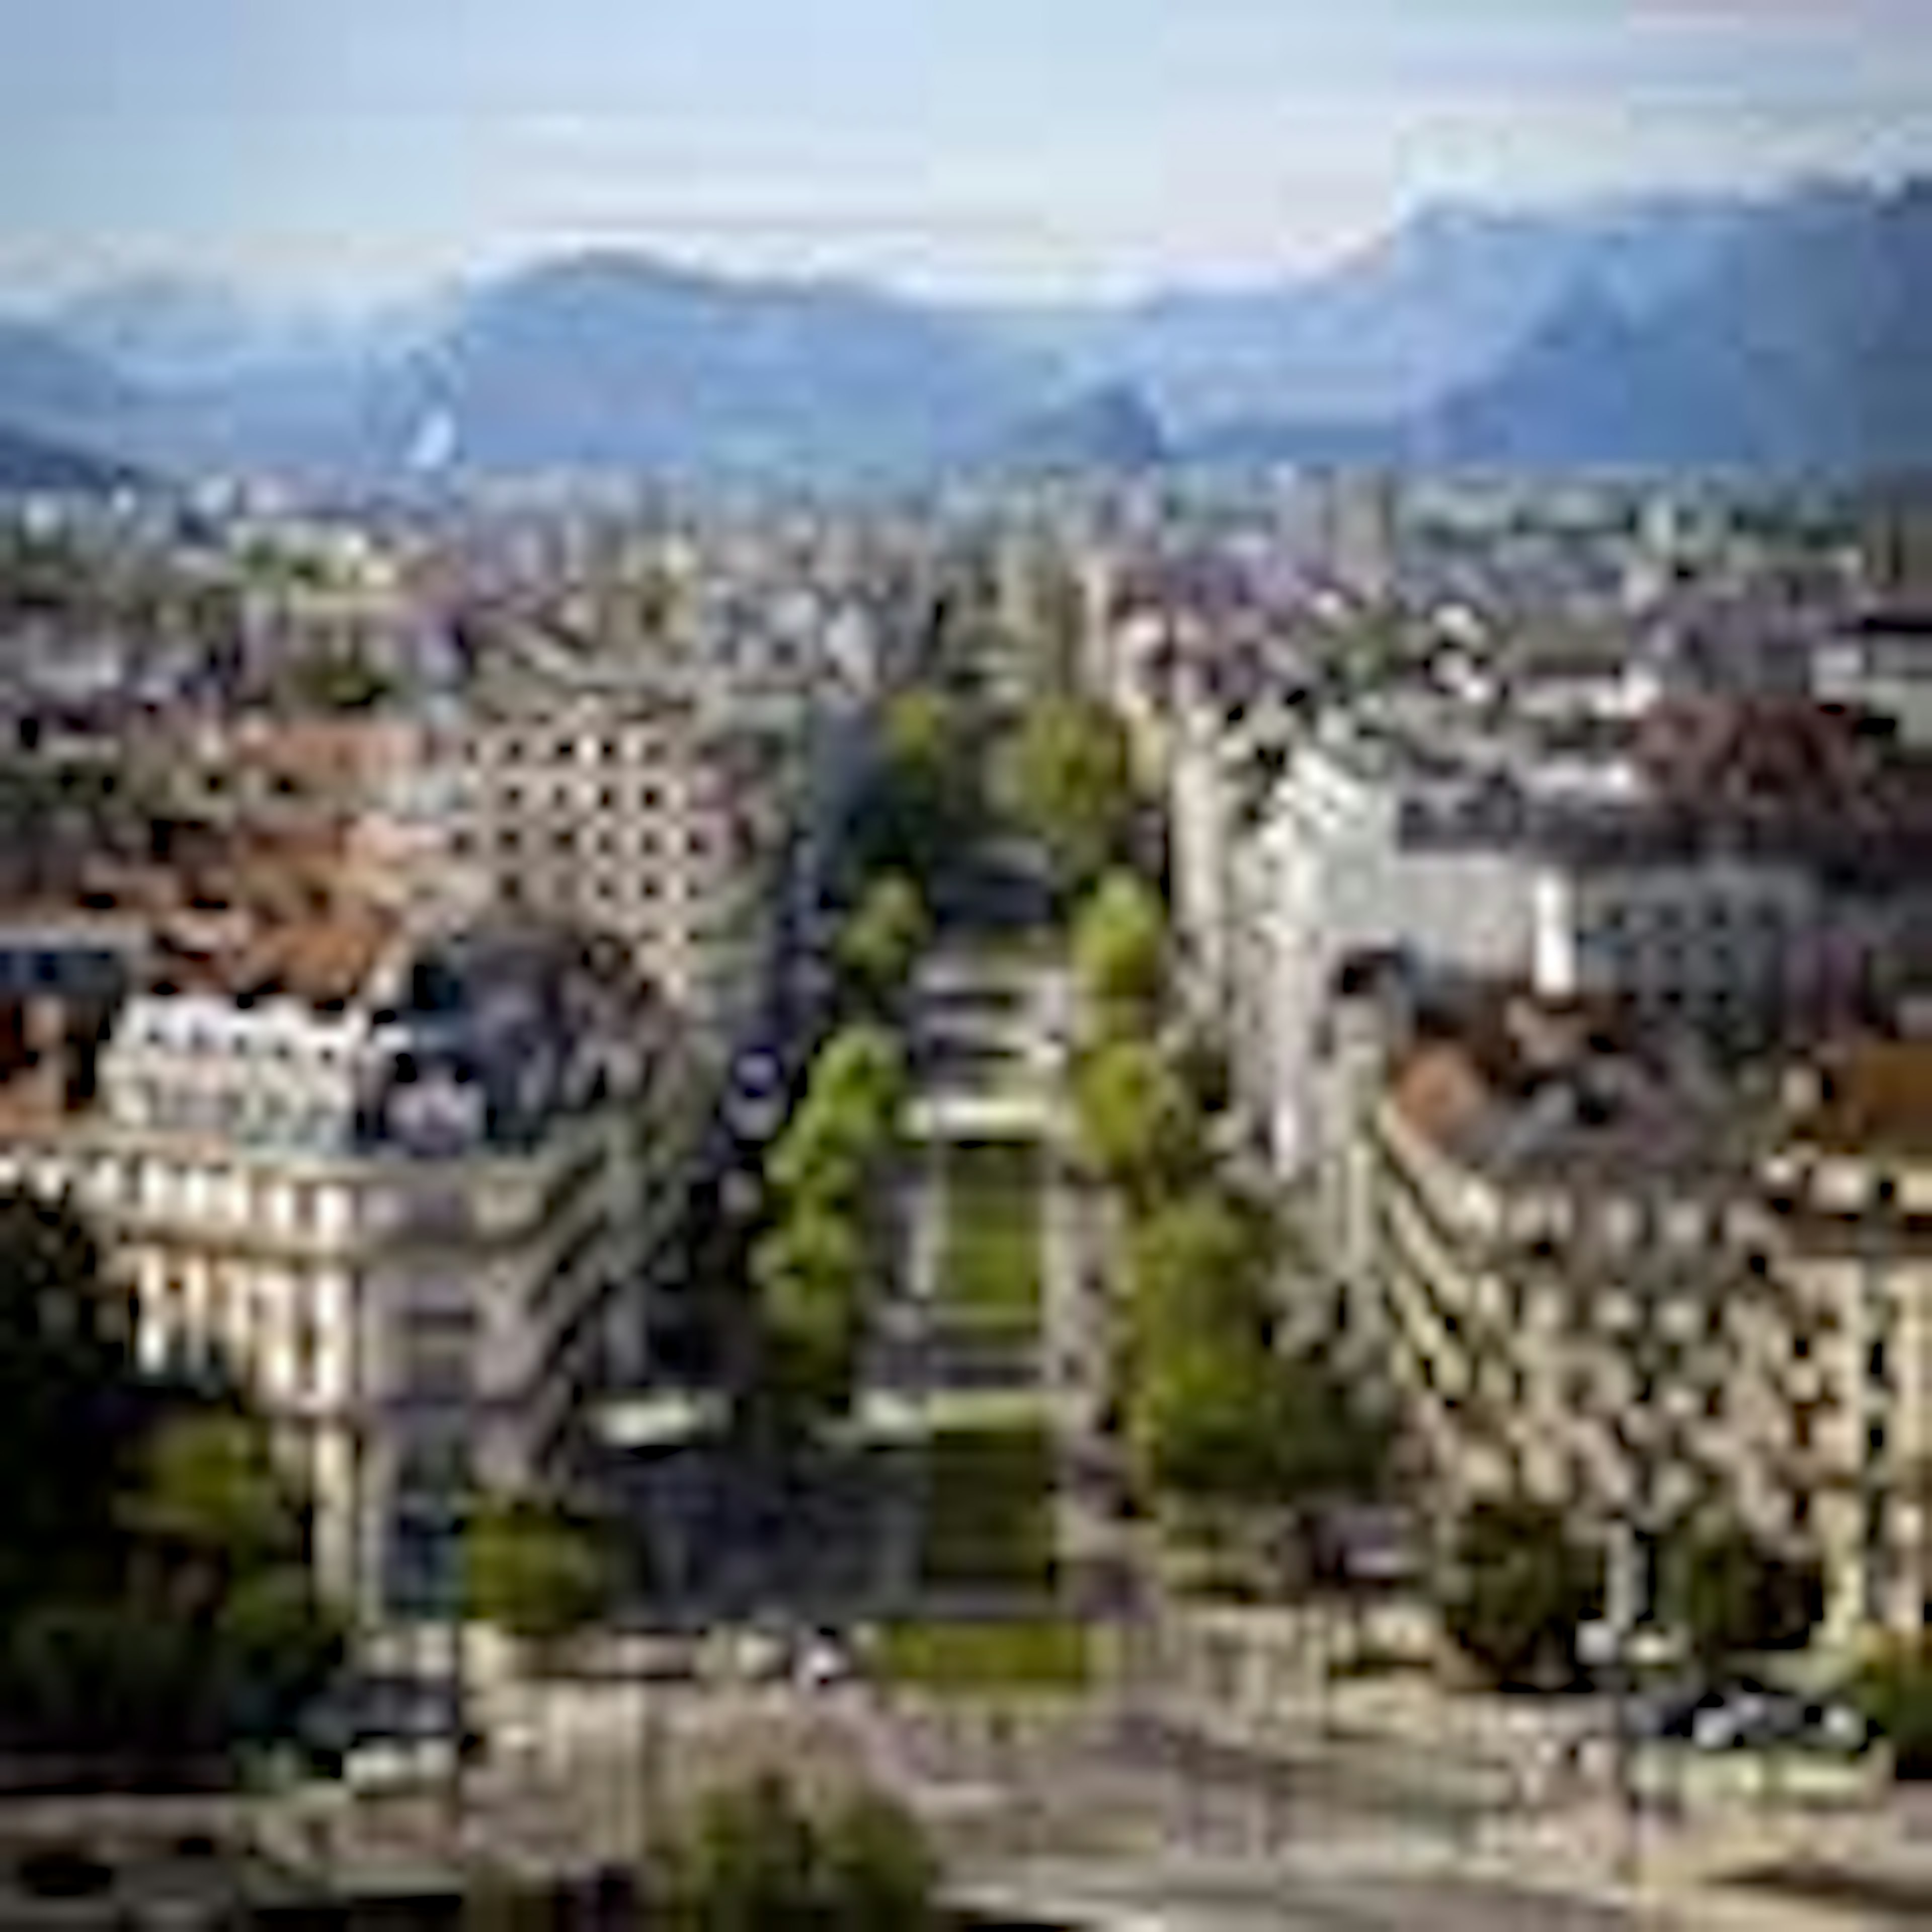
{"x": 1517, "y": 1590}
{"x": 1731, "y": 1596}
{"x": 155, "y": 1601}
{"x": 1197, "y": 1264}
{"x": 847, "y": 1119}
{"x": 880, "y": 942}
{"x": 917, "y": 809}
{"x": 1070, "y": 780}
{"x": 809, "y": 1370}
{"x": 1120, "y": 949}
{"x": 1892, "y": 1685}
{"x": 1138, "y": 1124}
{"x": 809, "y": 1272}
{"x": 212, "y": 1492}
{"x": 1204, "y": 1071}
{"x": 1206, "y": 1419}
{"x": 757, "y": 1859}
{"x": 534, "y": 1570}
{"x": 878, "y": 1870}
{"x": 70, "y": 1400}
{"x": 337, "y": 680}
{"x": 813, "y": 1259}
{"x": 1222, "y": 1416}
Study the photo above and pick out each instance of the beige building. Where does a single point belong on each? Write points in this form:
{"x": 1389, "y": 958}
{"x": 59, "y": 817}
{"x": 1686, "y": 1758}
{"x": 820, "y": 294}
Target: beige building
{"x": 417, "y": 1199}
{"x": 1850, "y": 1185}
{"x": 1572, "y": 1283}
{"x": 1640, "y": 1296}
{"x": 628, "y": 812}
{"x": 624, "y": 810}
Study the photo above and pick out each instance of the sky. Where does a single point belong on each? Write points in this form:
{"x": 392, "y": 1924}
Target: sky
{"x": 358, "y": 149}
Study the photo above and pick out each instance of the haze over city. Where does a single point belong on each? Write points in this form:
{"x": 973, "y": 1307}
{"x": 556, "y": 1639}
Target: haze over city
{"x": 965, "y": 965}
{"x": 1017, "y": 146}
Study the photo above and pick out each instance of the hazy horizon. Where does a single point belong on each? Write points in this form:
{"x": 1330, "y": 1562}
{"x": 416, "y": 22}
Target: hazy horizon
{"x": 1037, "y": 150}
{"x": 320, "y": 304}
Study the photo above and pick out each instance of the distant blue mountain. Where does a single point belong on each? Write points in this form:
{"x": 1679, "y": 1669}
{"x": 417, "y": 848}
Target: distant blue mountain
{"x": 1395, "y": 327}
{"x": 1111, "y": 428}
{"x": 1790, "y": 331}
{"x": 32, "y": 464}
{"x": 614, "y": 361}
{"x": 1804, "y": 344}
{"x": 49, "y": 386}
{"x": 163, "y": 330}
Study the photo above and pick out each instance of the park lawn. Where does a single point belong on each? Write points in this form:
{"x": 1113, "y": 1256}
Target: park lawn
{"x": 989, "y": 1273}
{"x": 988, "y": 1518}
{"x": 1036, "y": 1654}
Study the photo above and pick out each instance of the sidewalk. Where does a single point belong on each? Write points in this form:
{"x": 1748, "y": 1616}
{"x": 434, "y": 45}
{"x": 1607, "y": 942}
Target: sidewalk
{"x": 1693, "y": 1876}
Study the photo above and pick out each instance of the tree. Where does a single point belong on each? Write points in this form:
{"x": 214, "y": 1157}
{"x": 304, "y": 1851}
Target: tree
{"x": 70, "y": 1400}
{"x": 1197, "y": 1264}
{"x": 881, "y": 942}
{"x": 107, "y": 1675}
{"x": 1517, "y": 1591}
{"x": 861, "y": 1067}
{"x": 277, "y": 1644}
{"x": 747, "y": 1863}
{"x": 846, "y": 1121}
{"x": 1205, "y": 1072}
{"x": 212, "y": 1492}
{"x": 879, "y": 1872}
{"x": 815, "y": 1257}
{"x": 1070, "y": 780}
{"x": 534, "y": 1570}
{"x": 1120, "y": 949}
{"x": 155, "y": 1602}
{"x": 757, "y": 1859}
{"x": 337, "y": 681}
{"x": 1205, "y": 1422}
{"x": 809, "y": 1273}
{"x": 915, "y": 810}
{"x": 1732, "y": 1597}
{"x": 809, "y": 1370}
{"x": 1893, "y": 1687}
{"x": 1137, "y": 1123}
{"x": 1219, "y": 1414}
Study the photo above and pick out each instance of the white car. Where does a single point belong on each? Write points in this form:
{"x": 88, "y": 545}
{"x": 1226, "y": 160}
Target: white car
{"x": 822, "y": 1663}
{"x": 403, "y": 1763}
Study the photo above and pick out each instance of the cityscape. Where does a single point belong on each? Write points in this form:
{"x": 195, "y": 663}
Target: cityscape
{"x": 966, "y": 1072}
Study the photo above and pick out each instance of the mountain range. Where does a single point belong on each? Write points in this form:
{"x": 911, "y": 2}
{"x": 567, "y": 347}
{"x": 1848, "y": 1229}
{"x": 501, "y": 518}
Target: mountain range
{"x": 1789, "y": 331}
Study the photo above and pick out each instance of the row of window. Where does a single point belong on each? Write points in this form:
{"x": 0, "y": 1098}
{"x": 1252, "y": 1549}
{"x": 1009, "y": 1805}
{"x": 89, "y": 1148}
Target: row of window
{"x": 637, "y": 745}
{"x": 237, "y": 1197}
{"x": 642, "y": 845}
{"x": 285, "y": 1333}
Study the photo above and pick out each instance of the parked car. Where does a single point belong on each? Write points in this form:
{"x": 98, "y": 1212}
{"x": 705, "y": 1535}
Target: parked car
{"x": 1745, "y": 1714}
{"x": 823, "y": 1661}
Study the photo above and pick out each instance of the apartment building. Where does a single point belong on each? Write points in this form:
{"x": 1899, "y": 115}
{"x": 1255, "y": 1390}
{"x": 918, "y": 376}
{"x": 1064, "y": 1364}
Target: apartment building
{"x": 1572, "y": 1280}
{"x": 1608, "y": 1279}
{"x": 1349, "y": 855}
{"x": 628, "y": 808}
{"x": 1755, "y": 873}
{"x": 1849, "y": 1185}
{"x": 418, "y": 1198}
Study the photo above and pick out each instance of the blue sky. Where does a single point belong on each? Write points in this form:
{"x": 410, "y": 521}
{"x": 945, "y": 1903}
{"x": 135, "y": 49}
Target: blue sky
{"x": 358, "y": 147}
